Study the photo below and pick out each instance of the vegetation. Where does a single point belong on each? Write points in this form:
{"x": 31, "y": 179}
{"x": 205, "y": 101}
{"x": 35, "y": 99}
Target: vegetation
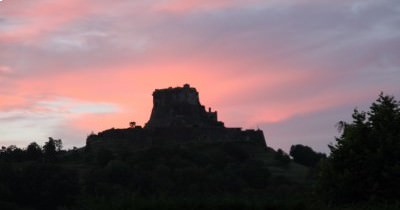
{"x": 306, "y": 156}
{"x": 219, "y": 174}
{"x": 364, "y": 164}
{"x": 361, "y": 173}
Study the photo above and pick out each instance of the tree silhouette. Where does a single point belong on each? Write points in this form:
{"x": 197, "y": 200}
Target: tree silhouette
{"x": 364, "y": 164}
{"x": 33, "y": 151}
{"x": 282, "y": 157}
{"x": 12, "y": 153}
{"x": 305, "y": 155}
{"x": 51, "y": 148}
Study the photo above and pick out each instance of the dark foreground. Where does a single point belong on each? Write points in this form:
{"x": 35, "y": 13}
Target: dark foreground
{"x": 234, "y": 175}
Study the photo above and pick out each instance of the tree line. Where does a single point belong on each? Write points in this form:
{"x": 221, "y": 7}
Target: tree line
{"x": 33, "y": 151}
{"x": 362, "y": 169}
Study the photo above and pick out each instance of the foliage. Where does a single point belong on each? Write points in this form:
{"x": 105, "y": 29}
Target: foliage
{"x": 282, "y": 157}
{"x": 304, "y": 155}
{"x": 37, "y": 185}
{"x": 176, "y": 171}
{"x": 51, "y": 147}
{"x": 103, "y": 156}
{"x": 28, "y": 179}
{"x": 34, "y": 151}
{"x": 12, "y": 153}
{"x": 364, "y": 164}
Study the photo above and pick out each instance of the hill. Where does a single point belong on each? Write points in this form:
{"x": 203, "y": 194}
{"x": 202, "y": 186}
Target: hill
{"x": 183, "y": 158}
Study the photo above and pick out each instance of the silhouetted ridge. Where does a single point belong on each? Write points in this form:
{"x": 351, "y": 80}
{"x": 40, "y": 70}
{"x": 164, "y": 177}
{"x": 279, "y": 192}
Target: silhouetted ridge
{"x": 177, "y": 117}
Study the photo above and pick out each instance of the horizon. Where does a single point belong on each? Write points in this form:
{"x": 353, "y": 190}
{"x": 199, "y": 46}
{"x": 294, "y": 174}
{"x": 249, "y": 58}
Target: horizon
{"x": 291, "y": 68}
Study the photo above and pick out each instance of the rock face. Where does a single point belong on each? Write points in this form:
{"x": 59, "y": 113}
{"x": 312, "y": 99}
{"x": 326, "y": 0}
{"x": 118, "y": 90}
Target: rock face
{"x": 180, "y": 107}
{"x": 177, "y": 118}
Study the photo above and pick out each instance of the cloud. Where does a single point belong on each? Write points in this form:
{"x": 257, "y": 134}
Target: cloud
{"x": 40, "y": 119}
{"x": 256, "y": 62}
{"x": 181, "y": 6}
{"x": 31, "y": 20}
{"x": 4, "y": 70}
{"x": 315, "y": 129}
{"x": 69, "y": 106}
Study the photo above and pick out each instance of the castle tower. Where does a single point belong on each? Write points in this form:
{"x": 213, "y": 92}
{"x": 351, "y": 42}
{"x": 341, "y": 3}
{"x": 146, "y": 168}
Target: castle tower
{"x": 177, "y": 117}
{"x": 180, "y": 107}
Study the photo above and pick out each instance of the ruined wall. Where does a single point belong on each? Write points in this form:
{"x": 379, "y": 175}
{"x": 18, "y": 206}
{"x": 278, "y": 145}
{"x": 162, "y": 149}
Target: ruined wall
{"x": 141, "y": 138}
{"x": 178, "y": 95}
{"x": 177, "y": 117}
{"x": 180, "y": 107}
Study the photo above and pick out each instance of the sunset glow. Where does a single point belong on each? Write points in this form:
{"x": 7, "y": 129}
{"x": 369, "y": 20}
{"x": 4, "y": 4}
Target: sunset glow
{"x": 291, "y": 68}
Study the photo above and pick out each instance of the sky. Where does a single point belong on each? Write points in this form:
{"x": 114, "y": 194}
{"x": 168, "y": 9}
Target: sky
{"x": 292, "y": 68}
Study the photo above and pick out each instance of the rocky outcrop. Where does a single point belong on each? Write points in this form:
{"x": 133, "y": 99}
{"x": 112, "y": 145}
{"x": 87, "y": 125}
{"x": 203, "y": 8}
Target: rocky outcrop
{"x": 177, "y": 118}
{"x": 180, "y": 107}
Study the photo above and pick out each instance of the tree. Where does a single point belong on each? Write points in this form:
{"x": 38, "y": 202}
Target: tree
{"x": 103, "y": 156}
{"x": 12, "y": 153}
{"x": 59, "y": 145}
{"x": 51, "y": 148}
{"x": 364, "y": 164}
{"x": 282, "y": 157}
{"x": 33, "y": 151}
{"x": 304, "y": 155}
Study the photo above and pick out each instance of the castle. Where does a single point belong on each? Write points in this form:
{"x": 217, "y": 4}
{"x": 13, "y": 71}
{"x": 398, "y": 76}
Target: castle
{"x": 180, "y": 107}
{"x": 177, "y": 117}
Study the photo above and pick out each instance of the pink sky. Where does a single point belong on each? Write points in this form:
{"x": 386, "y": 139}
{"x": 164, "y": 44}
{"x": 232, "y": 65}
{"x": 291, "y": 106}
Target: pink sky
{"x": 291, "y": 68}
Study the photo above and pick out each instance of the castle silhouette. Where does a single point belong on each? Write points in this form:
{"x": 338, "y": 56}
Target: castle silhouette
{"x": 177, "y": 117}
{"x": 180, "y": 107}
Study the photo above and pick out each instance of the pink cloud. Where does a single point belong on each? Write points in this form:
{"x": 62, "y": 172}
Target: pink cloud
{"x": 190, "y": 5}
{"x": 254, "y": 61}
{"x": 36, "y": 19}
{"x": 274, "y": 90}
{"x": 5, "y": 70}
{"x": 187, "y": 6}
{"x": 11, "y": 102}
{"x": 131, "y": 86}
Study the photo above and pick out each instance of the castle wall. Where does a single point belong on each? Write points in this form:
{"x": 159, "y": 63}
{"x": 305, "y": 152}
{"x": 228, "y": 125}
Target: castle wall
{"x": 139, "y": 138}
{"x": 177, "y": 117}
{"x": 180, "y": 107}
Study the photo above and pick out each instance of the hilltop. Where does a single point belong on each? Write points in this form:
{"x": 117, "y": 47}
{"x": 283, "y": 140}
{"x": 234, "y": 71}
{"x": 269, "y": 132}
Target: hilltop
{"x": 177, "y": 117}
{"x": 183, "y": 157}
